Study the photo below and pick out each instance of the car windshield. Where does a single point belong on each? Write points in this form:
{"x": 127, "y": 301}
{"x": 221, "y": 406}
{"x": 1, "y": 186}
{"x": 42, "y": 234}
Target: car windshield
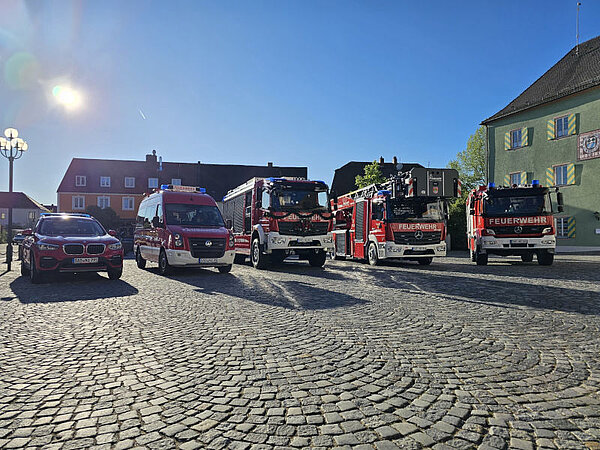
{"x": 415, "y": 210}
{"x": 71, "y": 227}
{"x": 299, "y": 200}
{"x": 193, "y": 215}
{"x": 532, "y": 205}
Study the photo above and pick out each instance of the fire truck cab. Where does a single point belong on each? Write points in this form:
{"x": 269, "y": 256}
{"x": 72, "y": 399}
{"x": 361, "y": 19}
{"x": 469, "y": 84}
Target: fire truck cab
{"x": 402, "y": 218}
{"x": 515, "y": 220}
{"x": 273, "y": 218}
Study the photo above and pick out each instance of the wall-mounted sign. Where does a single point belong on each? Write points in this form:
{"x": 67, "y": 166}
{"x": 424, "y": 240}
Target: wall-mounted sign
{"x": 589, "y": 145}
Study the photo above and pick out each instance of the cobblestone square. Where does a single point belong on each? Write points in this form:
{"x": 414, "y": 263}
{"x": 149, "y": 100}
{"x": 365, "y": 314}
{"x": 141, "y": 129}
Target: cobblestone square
{"x": 450, "y": 355}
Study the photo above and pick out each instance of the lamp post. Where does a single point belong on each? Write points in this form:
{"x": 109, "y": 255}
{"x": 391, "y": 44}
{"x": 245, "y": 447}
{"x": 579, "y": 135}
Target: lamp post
{"x": 11, "y": 147}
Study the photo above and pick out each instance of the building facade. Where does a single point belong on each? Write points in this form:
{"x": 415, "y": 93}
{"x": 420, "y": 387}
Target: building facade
{"x": 121, "y": 185}
{"x": 551, "y": 133}
{"x": 26, "y": 211}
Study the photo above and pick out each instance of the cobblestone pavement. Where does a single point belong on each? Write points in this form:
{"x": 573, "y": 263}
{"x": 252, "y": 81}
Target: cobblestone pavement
{"x": 446, "y": 356}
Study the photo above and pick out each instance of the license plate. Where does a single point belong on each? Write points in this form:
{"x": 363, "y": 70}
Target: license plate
{"x": 303, "y": 239}
{"x": 85, "y": 260}
{"x": 518, "y": 241}
{"x": 207, "y": 260}
{"x": 418, "y": 248}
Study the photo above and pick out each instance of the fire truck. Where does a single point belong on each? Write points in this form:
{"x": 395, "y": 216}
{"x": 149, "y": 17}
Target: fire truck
{"x": 273, "y": 218}
{"x": 402, "y": 218}
{"x": 515, "y": 220}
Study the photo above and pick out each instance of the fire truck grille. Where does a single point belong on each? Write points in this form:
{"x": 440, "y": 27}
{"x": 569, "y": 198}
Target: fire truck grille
{"x": 409, "y": 238}
{"x": 199, "y": 249}
{"x": 73, "y": 249}
{"x": 303, "y": 228}
{"x": 535, "y": 229}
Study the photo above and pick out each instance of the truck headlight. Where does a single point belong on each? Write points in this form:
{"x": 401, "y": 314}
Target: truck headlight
{"x": 547, "y": 230}
{"x": 327, "y": 239}
{"x": 178, "y": 240}
{"x": 547, "y": 241}
{"x": 489, "y": 232}
{"x": 115, "y": 246}
{"x": 277, "y": 240}
{"x": 46, "y": 247}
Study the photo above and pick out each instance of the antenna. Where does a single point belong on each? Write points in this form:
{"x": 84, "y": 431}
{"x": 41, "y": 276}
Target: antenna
{"x": 577, "y": 31}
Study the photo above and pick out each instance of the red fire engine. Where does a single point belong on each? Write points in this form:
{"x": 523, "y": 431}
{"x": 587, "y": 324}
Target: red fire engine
{"x": 273, "y": 218}
{"x": 402, "y": 218}
{"x": 514, "y": 220}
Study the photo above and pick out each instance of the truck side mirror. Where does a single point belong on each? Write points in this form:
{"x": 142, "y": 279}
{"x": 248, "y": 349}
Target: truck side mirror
{"x": 112, "y": 232}
{"x": 156, "y": 222}
{"x": 559, "y": 198}
{"x": 228, "y": 224}
{"x": 27, "y": 232}
{"x": 561, "y": 208}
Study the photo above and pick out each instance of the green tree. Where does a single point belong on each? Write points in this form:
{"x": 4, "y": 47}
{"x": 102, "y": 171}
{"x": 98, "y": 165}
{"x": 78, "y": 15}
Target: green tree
{"x": 470, "y": 164}
{"x": 373, "y": 175}
{"x": 106, "y": 216}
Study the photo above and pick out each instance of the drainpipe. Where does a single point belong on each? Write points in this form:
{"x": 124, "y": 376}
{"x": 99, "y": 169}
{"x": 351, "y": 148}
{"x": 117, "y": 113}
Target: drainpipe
{"x": 487, "y": 154}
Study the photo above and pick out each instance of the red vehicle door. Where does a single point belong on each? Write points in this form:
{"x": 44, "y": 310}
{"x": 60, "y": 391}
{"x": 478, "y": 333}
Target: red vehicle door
{"x": 361, "y": 234}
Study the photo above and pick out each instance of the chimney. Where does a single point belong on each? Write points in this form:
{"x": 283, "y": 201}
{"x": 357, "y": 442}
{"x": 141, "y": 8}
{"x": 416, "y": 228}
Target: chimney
{"x": 151, "y": 158}
{"x": 381, "y": 160}
{"x": 395, "y": 161}
{"x": 269, "y": 164}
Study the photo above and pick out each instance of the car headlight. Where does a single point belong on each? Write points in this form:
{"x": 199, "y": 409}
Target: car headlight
{"x": 115, "y": 246}
{"x": 178, "y": 240}
{"x": 48, "y": 247}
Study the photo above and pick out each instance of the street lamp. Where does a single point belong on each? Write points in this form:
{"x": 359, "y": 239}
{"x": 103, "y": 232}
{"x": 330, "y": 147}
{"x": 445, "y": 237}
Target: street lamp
{"x": 11, "y": 147}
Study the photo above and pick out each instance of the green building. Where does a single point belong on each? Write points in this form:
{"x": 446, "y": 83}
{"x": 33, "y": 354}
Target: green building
{"x": 551, "y": 133}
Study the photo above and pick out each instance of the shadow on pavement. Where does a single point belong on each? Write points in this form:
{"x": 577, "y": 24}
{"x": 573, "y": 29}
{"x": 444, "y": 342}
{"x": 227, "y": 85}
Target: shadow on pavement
{"x": 492, "y": 292}
{"x": 69, "y": 287}
{"x": 284, "y": 294}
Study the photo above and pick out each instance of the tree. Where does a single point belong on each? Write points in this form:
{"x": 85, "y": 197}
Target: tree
{"x": 106, "y": 216}
{"x": 470, "y": 164}
{"x": 373, "y": 175}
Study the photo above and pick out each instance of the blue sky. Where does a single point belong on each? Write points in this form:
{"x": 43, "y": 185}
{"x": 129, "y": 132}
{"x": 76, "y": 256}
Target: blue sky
{"x": 315, "y": 83}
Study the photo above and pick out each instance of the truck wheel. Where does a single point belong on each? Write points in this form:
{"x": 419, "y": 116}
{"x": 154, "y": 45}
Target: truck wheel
{"x": 317, "y": 259}
{"x": 239, "y": 259}
{"x": 545, "y": 258}
{"x": 225, "y": 269}
{"x": 34, "y": 276}
{"x": 141, "y": 262}
{"x": 372, "y": 255}
{"x": 481, "y": 259}
{"x": 257, "y": 257}
{"x": 528, "y": 257}
{"x": 164, "y": 268}
{"x": 277, "y": 257}
{"x": 425, "y": 261}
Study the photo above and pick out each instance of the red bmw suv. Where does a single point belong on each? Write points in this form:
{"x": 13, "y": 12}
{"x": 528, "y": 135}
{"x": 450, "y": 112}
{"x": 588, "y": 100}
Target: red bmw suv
{"x": 70, "y": 243}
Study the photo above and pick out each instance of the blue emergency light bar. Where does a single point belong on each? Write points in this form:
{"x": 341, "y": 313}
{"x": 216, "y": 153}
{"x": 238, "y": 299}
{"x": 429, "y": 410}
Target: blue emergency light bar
{"x": 65, "y": 214}
{"x": 491, "y": 185}
{"x": 385, "y": 192}
{"x": 535, "y": 183}
{"x": 177, "y": 188}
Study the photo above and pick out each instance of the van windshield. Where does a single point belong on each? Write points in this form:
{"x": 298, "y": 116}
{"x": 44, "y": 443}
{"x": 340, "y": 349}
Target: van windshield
{"x": 193, "y": 215}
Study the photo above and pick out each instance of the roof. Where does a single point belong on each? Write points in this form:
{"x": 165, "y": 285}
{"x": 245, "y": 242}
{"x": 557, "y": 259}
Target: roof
{"x": 19, "y": 200}
{"x": 344, "y": 179}
{"x": 216, "y": 178}
{"x": 575, "y": 72}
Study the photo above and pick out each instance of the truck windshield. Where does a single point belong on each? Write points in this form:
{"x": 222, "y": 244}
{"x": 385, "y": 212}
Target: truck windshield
{"x": 71, "y": 227}
{"x": 299, "y": 200}
{"x": 531, "y": 205}
{"x": 193, "y": 215}
{"x": 415, "y": 210}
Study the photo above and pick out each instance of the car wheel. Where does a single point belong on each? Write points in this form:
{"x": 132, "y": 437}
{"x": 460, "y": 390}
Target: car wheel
{"x": 34, "y": 274}
{"x": 115, "y": 274}
{"x": 372, "y": 255}
{"x": 528, "y": 257}
{"x": 317, "y": 259}
{"x": 141, "y": 262}
{"x": 225, "y": 269}
{"x": 425, "y": 261}
{"x": 164, "y": 268}
{"x": 24, "y": 270}
{"x": 258, "y": 258}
